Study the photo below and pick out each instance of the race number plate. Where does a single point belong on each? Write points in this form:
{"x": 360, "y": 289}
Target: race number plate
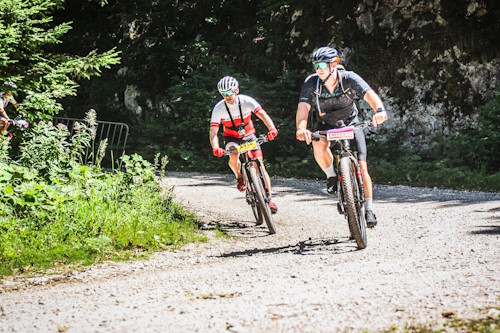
{"x": 344, "y": 133}
{"x": 247, "y": 146}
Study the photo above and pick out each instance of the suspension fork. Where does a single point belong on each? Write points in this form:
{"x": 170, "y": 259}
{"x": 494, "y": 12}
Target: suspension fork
{"x": 262, "y": 176}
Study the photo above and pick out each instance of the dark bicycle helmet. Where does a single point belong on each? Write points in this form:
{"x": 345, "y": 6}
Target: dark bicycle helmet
{"x": 325, "y": 54}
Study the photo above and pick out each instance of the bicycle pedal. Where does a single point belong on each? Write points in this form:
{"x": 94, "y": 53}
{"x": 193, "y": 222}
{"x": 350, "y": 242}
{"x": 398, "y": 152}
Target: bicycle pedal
{"x": 339, "y": 208}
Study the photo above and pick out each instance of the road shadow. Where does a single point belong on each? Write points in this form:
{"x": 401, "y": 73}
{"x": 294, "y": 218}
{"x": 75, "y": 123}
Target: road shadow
{"x": 236, "y": 228}
{"x": 487, "y": 230}
{"x": 397, "y": 193}
{"x": 308, "y": 247}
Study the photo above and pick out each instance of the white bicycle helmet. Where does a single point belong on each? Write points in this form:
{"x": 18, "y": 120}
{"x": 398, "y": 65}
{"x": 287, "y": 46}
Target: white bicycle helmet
{"x": 227, "y": 83}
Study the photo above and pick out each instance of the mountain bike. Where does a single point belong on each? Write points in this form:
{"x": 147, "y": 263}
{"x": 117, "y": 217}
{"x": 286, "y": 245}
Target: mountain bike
{"x": 257, "y": 192}
{"x": 351, "y": 194}
{"x": 18, "y": 122}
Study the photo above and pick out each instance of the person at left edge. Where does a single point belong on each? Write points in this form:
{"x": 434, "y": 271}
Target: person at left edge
{"x": 235, "y": 111}
{"x": 5, "y": 99}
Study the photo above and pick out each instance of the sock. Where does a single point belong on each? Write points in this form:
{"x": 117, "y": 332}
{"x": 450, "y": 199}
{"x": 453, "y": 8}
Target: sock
{"x": 368, "y": 203}
{"x": 329, "y": 172}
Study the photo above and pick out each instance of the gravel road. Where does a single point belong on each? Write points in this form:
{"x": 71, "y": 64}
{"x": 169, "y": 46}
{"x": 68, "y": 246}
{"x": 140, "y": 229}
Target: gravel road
{"x": 434, "y": 253}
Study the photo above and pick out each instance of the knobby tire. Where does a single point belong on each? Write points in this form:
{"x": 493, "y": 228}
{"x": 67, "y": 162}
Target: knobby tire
{"x": 260, "y": 195}
{"x": 353, "y": 204}
{"x": 257, "y": 213}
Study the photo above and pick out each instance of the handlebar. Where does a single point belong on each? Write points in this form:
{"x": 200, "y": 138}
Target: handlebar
{"x": 19, "y": 122}
{"x": 247, "y": 146}
{"x": 340, "y": 130}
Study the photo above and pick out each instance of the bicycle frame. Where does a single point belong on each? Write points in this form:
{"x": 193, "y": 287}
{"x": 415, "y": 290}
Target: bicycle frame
{"x": 248, "y": 159}
{"x": 258, "y": 194}
{"x": 340, "y": 137}
{"x": 345, "y": 151}
{"x": 351, "y": 194}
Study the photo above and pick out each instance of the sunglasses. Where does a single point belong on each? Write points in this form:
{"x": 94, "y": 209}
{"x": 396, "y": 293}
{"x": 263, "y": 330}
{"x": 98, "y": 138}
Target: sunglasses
{"x": 322, "y": 65}
{"x": 227, "y": 93}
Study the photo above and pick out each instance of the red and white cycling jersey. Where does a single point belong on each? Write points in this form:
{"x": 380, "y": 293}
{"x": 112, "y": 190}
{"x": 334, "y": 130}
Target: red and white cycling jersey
{"x": 220, "y": 115}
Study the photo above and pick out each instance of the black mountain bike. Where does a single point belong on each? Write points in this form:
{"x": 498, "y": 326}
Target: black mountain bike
{"x": 257, "y": 192}
{"x": 351, "y": 195}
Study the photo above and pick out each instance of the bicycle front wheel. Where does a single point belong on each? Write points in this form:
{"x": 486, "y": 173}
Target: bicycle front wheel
{"x": 353, "y": 203}
{"x": 261, "y": 199}
{"x": 257, "y": 213}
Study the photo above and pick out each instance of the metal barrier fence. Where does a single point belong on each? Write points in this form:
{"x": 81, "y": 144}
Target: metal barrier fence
{"x": 116, "y": 133}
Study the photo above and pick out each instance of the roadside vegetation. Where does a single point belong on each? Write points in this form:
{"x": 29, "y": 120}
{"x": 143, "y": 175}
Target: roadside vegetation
{"x": 469, "y": 160}
{"x": 58, "y": 208}
{"x": 489, "y": 323}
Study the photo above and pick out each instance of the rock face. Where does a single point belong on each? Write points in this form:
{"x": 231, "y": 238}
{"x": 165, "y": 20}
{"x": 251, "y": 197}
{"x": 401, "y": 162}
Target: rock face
{"x": 443, "y": 72}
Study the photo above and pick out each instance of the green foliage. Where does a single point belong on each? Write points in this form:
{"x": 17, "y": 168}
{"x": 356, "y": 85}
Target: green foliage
{"x": 478, "y": 146}
{"x": 174, "y": 53}
{"x": 57, "y": 206}
{"x": 28, "y": 36}
{"x": 136, "y": 166}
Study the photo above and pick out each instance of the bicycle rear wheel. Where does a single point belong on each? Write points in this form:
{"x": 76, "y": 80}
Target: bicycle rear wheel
{"x": 261, "y": 199}
{"x": 353, "y": 202}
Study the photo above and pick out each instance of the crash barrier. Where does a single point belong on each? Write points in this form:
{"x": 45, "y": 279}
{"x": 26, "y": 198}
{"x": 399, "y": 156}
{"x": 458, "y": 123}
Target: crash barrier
{"x": 116, "y": 133}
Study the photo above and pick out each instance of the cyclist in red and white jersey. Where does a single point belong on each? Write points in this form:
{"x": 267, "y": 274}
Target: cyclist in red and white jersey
{"x": 5, "y": 99}
{"x": 234, "y": 112}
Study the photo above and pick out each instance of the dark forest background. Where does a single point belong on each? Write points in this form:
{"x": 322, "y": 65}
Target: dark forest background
{"x": 434, "y": 63}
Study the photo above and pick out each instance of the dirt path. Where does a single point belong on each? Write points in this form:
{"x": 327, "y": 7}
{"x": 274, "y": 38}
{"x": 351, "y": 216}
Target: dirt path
{"x": 433, "y": 252}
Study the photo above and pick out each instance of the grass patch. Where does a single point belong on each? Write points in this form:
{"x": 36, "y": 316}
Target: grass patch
{"x": 489, "y": 323}
{"x": 92, "y": 229}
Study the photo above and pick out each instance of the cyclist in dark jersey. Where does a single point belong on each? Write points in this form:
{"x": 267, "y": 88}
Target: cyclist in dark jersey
{"x": 331, "y": 91}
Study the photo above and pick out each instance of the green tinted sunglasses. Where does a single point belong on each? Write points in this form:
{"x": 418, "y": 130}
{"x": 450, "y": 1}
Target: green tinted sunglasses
{"x": 322, "y": 65}
{"x": 227, "y": 93}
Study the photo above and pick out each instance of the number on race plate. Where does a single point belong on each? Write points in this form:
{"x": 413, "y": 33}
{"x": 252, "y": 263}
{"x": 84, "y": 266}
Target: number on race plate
{"x": 340, "y": 134}
{"x": 247, "y": 146}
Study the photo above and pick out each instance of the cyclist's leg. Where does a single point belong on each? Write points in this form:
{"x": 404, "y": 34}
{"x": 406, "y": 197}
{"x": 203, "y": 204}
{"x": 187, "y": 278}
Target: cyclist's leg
{"x": 235, "y": 165}
{"x": 367, "y": 180}
{"x": 234, "y": 160}
{"x": 322, "y": 153}
{"x": 362, "y": 152}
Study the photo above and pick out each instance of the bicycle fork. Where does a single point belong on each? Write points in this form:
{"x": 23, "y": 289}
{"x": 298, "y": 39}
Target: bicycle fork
{"x": 249, "y": 182}
{"x": 359, "y": 178}
{"x": 263, "y": 179}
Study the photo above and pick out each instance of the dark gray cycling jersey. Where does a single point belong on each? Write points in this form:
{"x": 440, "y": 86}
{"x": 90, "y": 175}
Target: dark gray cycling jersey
{"x": 338, "y": 105}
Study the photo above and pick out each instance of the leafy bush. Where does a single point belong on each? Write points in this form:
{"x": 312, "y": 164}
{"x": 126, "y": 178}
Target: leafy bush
{"x": 59, "y": 210}
{"x": 478, "y": 146}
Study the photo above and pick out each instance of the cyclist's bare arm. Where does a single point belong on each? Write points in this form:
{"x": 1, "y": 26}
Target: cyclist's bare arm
{"x": 214, "y": 139}
{"x": 375, "y": 102}
{"x": 303, "y": 134}
{"x": 266, "y": 119}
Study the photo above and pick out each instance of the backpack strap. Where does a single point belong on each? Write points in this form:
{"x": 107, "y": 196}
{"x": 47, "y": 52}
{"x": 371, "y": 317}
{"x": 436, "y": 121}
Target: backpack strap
{"x": 231, "y": 117}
